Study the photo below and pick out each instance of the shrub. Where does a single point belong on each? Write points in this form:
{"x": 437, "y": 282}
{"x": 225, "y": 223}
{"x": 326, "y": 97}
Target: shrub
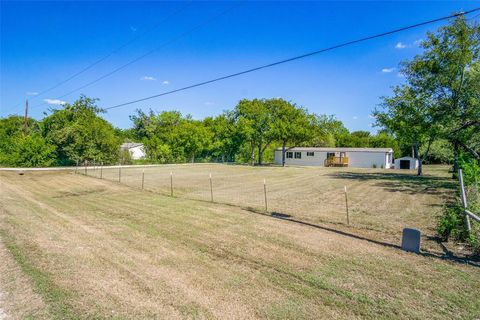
{"x": 450, "y": 222}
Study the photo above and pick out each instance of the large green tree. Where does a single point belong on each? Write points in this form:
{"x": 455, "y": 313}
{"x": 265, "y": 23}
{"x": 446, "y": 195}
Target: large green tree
{"x": 21, "y": 145}
{"x": 327, "y": 131}
{"x": 290, "y": 125}
{"x": 254, "y": 120}
{"x": 79, "y": 133}
{"x": 441, "y": 94}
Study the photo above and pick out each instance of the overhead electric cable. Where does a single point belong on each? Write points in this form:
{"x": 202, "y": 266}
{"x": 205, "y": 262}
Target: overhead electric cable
{"x": 176, "y": 12}
{"x": 180, "y": 36}
{"x": 344, "y": 44}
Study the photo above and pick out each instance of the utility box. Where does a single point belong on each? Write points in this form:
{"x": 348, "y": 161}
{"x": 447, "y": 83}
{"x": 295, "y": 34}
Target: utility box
{"x": 411, "y": 240}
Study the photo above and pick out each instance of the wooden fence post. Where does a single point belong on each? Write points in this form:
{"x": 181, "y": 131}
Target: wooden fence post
{"x": 346, "y": 205}
{"x": 76, "y": 168}
{"x": 143, "y": 178}
{"x": 171, "y": 184}
{"x": 211, "y": 188}
{"x": 101, "y": 170}
{"x": 119, "y": 173}
{"x": 85, "y": 167}
{"x": 265, "y": 193}
{"x": 463, "y": 196}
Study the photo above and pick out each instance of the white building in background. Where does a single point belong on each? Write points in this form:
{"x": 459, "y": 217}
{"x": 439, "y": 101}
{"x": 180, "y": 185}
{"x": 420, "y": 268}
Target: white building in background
{"x": 337, "y": 157}
{"x": 408, "y": 163}
{"x": 136, "y": 150}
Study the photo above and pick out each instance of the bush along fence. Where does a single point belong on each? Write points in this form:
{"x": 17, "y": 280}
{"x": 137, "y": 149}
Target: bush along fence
{"x": 460, "y": 220}
{"x": 463, "y": 195}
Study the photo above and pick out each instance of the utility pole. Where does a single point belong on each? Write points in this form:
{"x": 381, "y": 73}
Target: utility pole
{"x": 25, "y": 125}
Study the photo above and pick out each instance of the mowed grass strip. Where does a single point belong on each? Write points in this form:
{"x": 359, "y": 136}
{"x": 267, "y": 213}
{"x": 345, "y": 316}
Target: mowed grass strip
{"x": 380, "y": 201}
{"x": 122, "y": 253}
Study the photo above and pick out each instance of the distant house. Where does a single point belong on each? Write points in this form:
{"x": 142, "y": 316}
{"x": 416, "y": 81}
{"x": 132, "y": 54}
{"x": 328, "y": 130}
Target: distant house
{"x": 408, "y": 163}
{"x": 337, "y": 157}
{"x": 136, "y": 150}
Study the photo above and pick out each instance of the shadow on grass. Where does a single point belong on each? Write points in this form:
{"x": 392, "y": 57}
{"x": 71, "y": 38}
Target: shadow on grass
{"x": 400, "y": 182}
{"x": 448, "y": 255}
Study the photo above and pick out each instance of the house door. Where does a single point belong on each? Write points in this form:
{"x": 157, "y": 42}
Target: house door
{"x": 404, "y": 164}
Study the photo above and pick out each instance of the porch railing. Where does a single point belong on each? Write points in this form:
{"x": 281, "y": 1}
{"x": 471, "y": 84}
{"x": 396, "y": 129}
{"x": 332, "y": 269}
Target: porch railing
{"x": 336, "y": 162}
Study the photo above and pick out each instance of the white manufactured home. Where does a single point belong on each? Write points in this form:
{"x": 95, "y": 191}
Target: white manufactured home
{"x": 337, "y": 157}
{"x": 136, "y": 150}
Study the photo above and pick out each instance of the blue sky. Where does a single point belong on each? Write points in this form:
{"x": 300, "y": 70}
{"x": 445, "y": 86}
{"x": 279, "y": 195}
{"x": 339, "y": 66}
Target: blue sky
{"x": 43, "y": 43}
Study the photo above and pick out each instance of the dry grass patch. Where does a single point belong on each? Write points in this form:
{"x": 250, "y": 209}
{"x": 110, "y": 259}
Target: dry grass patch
{"x": 381, "y": 202}
{"x": 114, "y": 251}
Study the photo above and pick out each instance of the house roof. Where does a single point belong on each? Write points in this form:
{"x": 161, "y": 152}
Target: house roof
{"x": 130, "y": 145}
{"x": 319, "y": 149}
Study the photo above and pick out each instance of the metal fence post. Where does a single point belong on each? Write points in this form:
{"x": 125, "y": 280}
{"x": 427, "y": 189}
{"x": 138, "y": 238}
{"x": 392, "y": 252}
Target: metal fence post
{"x": 346, "y": 205}
{"x": 211, "y": 188}
{"x": 463, "y": 196}
{"x": 171, "y": 184}
{"x": 143, "y": 178}
{"x": 265, "y": 193}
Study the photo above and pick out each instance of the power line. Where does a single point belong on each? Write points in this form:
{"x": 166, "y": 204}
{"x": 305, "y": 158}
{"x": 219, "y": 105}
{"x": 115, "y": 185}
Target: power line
{"x": 180, "y": 36}
{"x": 297, "y": 57}
{"x": 108, "y": 55}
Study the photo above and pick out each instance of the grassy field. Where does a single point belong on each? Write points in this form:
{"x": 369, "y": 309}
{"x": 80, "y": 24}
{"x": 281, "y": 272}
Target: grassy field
{"x": 381, "y": 202}
{"x": 79, "y": 247}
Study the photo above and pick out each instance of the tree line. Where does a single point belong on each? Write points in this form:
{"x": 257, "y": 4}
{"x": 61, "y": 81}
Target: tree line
{"x": 247, "y": 134}
{"x": 434, "y": 115}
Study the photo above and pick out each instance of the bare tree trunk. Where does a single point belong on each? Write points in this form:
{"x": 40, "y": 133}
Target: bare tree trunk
{"x": 260, "y": 155}
{"x": 417, "y": 156}
{"x": 253, "y": 154}
{"x": 455, "y": 159}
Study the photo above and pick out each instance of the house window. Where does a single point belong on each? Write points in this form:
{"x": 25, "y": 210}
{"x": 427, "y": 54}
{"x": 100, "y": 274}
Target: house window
{"x": 298, "y": 155}
{"x": 289, "y": 155}
{"x": 310, "y": 154}
{"x": 330, "y": 154}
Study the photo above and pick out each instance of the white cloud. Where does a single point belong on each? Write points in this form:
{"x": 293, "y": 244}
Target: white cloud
{"x": 388, "y": 70}
{"x": 54, "y": 102}
{"x": 166, "y": 82}
{"x": 418, "y": 42}
{"x": 148, "y": 78}
{"x": 355, "y": 117}
{"x": 400, "y": 45}
{"x": 32, "y": 93}
{"x": 208, "y": 103}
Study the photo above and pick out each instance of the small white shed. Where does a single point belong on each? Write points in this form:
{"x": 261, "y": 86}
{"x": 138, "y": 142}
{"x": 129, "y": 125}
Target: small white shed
{"x": 408, "y": 163}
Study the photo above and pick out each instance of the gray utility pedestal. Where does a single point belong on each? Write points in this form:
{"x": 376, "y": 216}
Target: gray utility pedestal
{"x": 411, "y": 240}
